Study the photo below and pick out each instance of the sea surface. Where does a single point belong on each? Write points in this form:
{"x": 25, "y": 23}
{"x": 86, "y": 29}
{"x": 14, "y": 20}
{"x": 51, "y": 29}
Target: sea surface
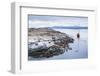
{"x": 79, "y": 47}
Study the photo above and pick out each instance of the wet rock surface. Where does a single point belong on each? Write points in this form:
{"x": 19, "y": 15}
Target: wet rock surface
{"x": 48, "y": 43}
{"x": 46, "y": 52}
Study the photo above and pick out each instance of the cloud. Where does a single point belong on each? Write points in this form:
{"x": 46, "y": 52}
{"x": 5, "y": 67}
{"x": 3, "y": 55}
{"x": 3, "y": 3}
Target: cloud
{"x": 36, "y": 23}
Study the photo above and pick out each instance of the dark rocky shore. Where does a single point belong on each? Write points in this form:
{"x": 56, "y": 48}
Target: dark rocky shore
{"x": 57, "y": 42}
{"x": 46, "y": 52}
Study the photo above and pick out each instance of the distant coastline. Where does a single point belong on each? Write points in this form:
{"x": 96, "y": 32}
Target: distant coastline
{"x": 68, "y": 27}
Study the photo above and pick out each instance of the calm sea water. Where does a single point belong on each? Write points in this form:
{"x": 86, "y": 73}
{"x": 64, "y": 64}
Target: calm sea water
{"x": 79, "y": 47}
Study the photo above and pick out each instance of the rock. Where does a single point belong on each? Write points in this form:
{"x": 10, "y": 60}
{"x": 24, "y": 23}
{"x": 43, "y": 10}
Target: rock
{"x": 44, "y": 42}
{"x": 47, "y": 52}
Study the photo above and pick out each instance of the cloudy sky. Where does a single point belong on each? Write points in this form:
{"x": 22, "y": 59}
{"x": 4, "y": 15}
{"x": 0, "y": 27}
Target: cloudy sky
{"x": 36, "y": 21}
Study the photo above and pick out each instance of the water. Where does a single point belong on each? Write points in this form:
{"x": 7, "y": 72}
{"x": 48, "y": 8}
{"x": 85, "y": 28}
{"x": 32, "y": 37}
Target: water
{"x": 79, "y": 47}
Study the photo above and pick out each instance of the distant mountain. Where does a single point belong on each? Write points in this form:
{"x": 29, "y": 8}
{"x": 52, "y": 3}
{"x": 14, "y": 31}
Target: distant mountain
{"x": 68, "y": 27}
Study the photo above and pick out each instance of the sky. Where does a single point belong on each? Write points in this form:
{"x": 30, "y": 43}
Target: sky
{"x": 39, "y": 21}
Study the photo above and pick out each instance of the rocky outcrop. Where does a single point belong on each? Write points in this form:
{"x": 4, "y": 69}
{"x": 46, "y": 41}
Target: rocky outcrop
{"x": 45, "y": 42}
{"x": 46, "y": 52}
